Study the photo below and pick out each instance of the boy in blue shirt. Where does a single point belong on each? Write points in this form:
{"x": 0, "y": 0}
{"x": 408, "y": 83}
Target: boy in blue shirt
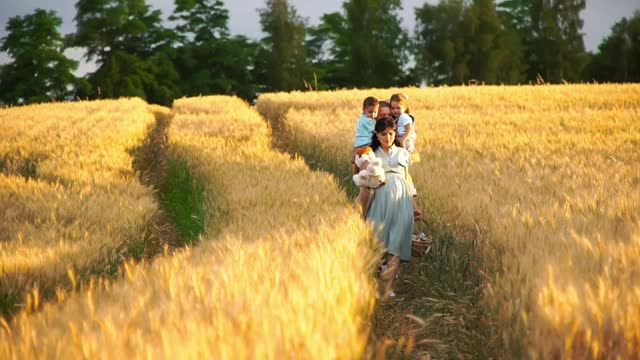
{"x": 364, "y": 134}
{"x": 366, "y": 123}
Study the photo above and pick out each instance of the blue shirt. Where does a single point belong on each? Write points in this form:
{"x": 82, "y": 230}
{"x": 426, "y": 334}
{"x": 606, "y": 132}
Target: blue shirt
{"x": 364, "y": 131}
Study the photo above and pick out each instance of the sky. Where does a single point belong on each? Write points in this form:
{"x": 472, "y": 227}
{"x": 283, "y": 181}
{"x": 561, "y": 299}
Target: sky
{"x": 598, "y": 17}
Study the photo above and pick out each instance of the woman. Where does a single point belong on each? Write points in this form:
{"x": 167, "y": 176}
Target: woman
{"x": 392, "y": 209}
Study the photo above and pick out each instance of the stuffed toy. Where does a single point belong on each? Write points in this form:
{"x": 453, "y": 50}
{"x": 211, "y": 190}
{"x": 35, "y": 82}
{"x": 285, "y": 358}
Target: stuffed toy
{"x": 373, "y": 176}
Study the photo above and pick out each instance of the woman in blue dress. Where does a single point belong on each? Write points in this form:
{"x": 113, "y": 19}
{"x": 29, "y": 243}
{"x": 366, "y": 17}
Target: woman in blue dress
{"x": 392, "y": 209}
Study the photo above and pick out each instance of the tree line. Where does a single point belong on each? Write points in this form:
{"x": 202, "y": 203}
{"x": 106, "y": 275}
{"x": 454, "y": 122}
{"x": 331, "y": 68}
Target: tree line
{"x": 363, "y": 45}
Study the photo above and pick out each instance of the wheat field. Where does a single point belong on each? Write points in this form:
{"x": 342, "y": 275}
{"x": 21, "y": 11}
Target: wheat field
{"x": 278, "y": 273}
{"x": 70, "y": 201}
{"x": 546, "y": 177}
{"x": 549, "y": 178}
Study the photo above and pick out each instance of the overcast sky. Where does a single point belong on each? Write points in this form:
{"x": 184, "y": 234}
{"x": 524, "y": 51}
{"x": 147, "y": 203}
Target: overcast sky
{"x": 598, "y": 16}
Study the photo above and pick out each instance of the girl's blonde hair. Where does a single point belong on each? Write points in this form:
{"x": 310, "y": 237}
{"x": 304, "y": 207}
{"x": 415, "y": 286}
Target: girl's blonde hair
{"x": 402, "y": 100}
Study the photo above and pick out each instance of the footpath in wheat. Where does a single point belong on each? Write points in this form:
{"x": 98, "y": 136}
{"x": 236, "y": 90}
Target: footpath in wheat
{"x": 534, "y": 195}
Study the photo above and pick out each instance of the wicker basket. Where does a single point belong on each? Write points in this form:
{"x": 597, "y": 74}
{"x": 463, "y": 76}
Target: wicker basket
{"x": 419, "y": 248}
{"x": 421, "y": 243}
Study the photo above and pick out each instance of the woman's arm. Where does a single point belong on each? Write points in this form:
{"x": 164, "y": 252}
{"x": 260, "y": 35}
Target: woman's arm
{"x": 417, "y": 214}
{"x": 408, "y": 179}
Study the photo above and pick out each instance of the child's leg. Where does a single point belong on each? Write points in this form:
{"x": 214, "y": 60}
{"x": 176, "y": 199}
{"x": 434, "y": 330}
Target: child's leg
{"x": 363, "y": 199}
{"x": 408, "y": 145}
{"x": 393, "y": 265}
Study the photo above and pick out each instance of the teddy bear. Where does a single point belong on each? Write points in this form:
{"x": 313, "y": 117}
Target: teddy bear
{"x": 373, "y": 176}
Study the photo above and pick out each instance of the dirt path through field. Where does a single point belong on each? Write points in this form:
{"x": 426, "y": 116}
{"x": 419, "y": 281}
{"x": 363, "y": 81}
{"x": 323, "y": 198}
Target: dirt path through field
{"x": 436, "y": 313}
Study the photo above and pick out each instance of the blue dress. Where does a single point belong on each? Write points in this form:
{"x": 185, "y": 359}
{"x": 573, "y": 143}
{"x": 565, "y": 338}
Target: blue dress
{"x": 391, "y": 209}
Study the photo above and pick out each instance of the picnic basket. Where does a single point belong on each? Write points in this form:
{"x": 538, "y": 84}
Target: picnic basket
{"x": 421, "y": 242}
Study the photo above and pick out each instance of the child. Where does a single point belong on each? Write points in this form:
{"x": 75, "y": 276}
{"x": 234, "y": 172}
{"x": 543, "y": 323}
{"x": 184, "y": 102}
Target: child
{"x": 384, "y": 110}
{"x": 364, "y": 134}
{"x": 366, "y": 123}
{"x": 406, "y": 135}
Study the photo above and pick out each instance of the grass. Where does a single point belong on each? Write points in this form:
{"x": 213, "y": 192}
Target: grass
{"x": 8, "y": 301}
{"x": 182, "y": 198}
{"x": 28, "y": 168}
{"x": 438, "y": 308}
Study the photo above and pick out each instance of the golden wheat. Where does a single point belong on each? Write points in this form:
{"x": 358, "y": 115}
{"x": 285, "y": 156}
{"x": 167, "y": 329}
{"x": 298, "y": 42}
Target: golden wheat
{"x": 287, "y": 274}
{"x": 549, "y": 176}
{"x": 69, "y": 197}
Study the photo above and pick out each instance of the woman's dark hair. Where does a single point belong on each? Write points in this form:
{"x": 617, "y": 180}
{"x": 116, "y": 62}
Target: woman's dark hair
{"x": 382, "y": 124}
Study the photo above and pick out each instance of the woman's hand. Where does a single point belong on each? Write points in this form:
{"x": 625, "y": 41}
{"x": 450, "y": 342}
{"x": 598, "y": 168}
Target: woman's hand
{"x": 417, "y": 214}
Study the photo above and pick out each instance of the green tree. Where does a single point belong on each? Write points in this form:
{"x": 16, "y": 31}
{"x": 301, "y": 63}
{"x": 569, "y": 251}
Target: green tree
{"x": 209, "y": 60}
{"x": 518, "y": 14}
{"x": 125, "y": 38}
{"x": 123, "y": 74}
{"x": 39, "y": 71}
{"x": 318, "y": 57}
{"x": 458, "y": 42}
{"x": 550, "y": 30}
{"x": 512, "y": 61}
{"x": 165, "y": 84}
{"x": 200, "y": 21}
{"x": 618, "y": 54}
{"x": 107, "y": 26}
{"x": 281, "y": 64}
{"x": 367, "y": 47}
{"x": 440, "y": 46}
{"x": 482, "y": 26}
